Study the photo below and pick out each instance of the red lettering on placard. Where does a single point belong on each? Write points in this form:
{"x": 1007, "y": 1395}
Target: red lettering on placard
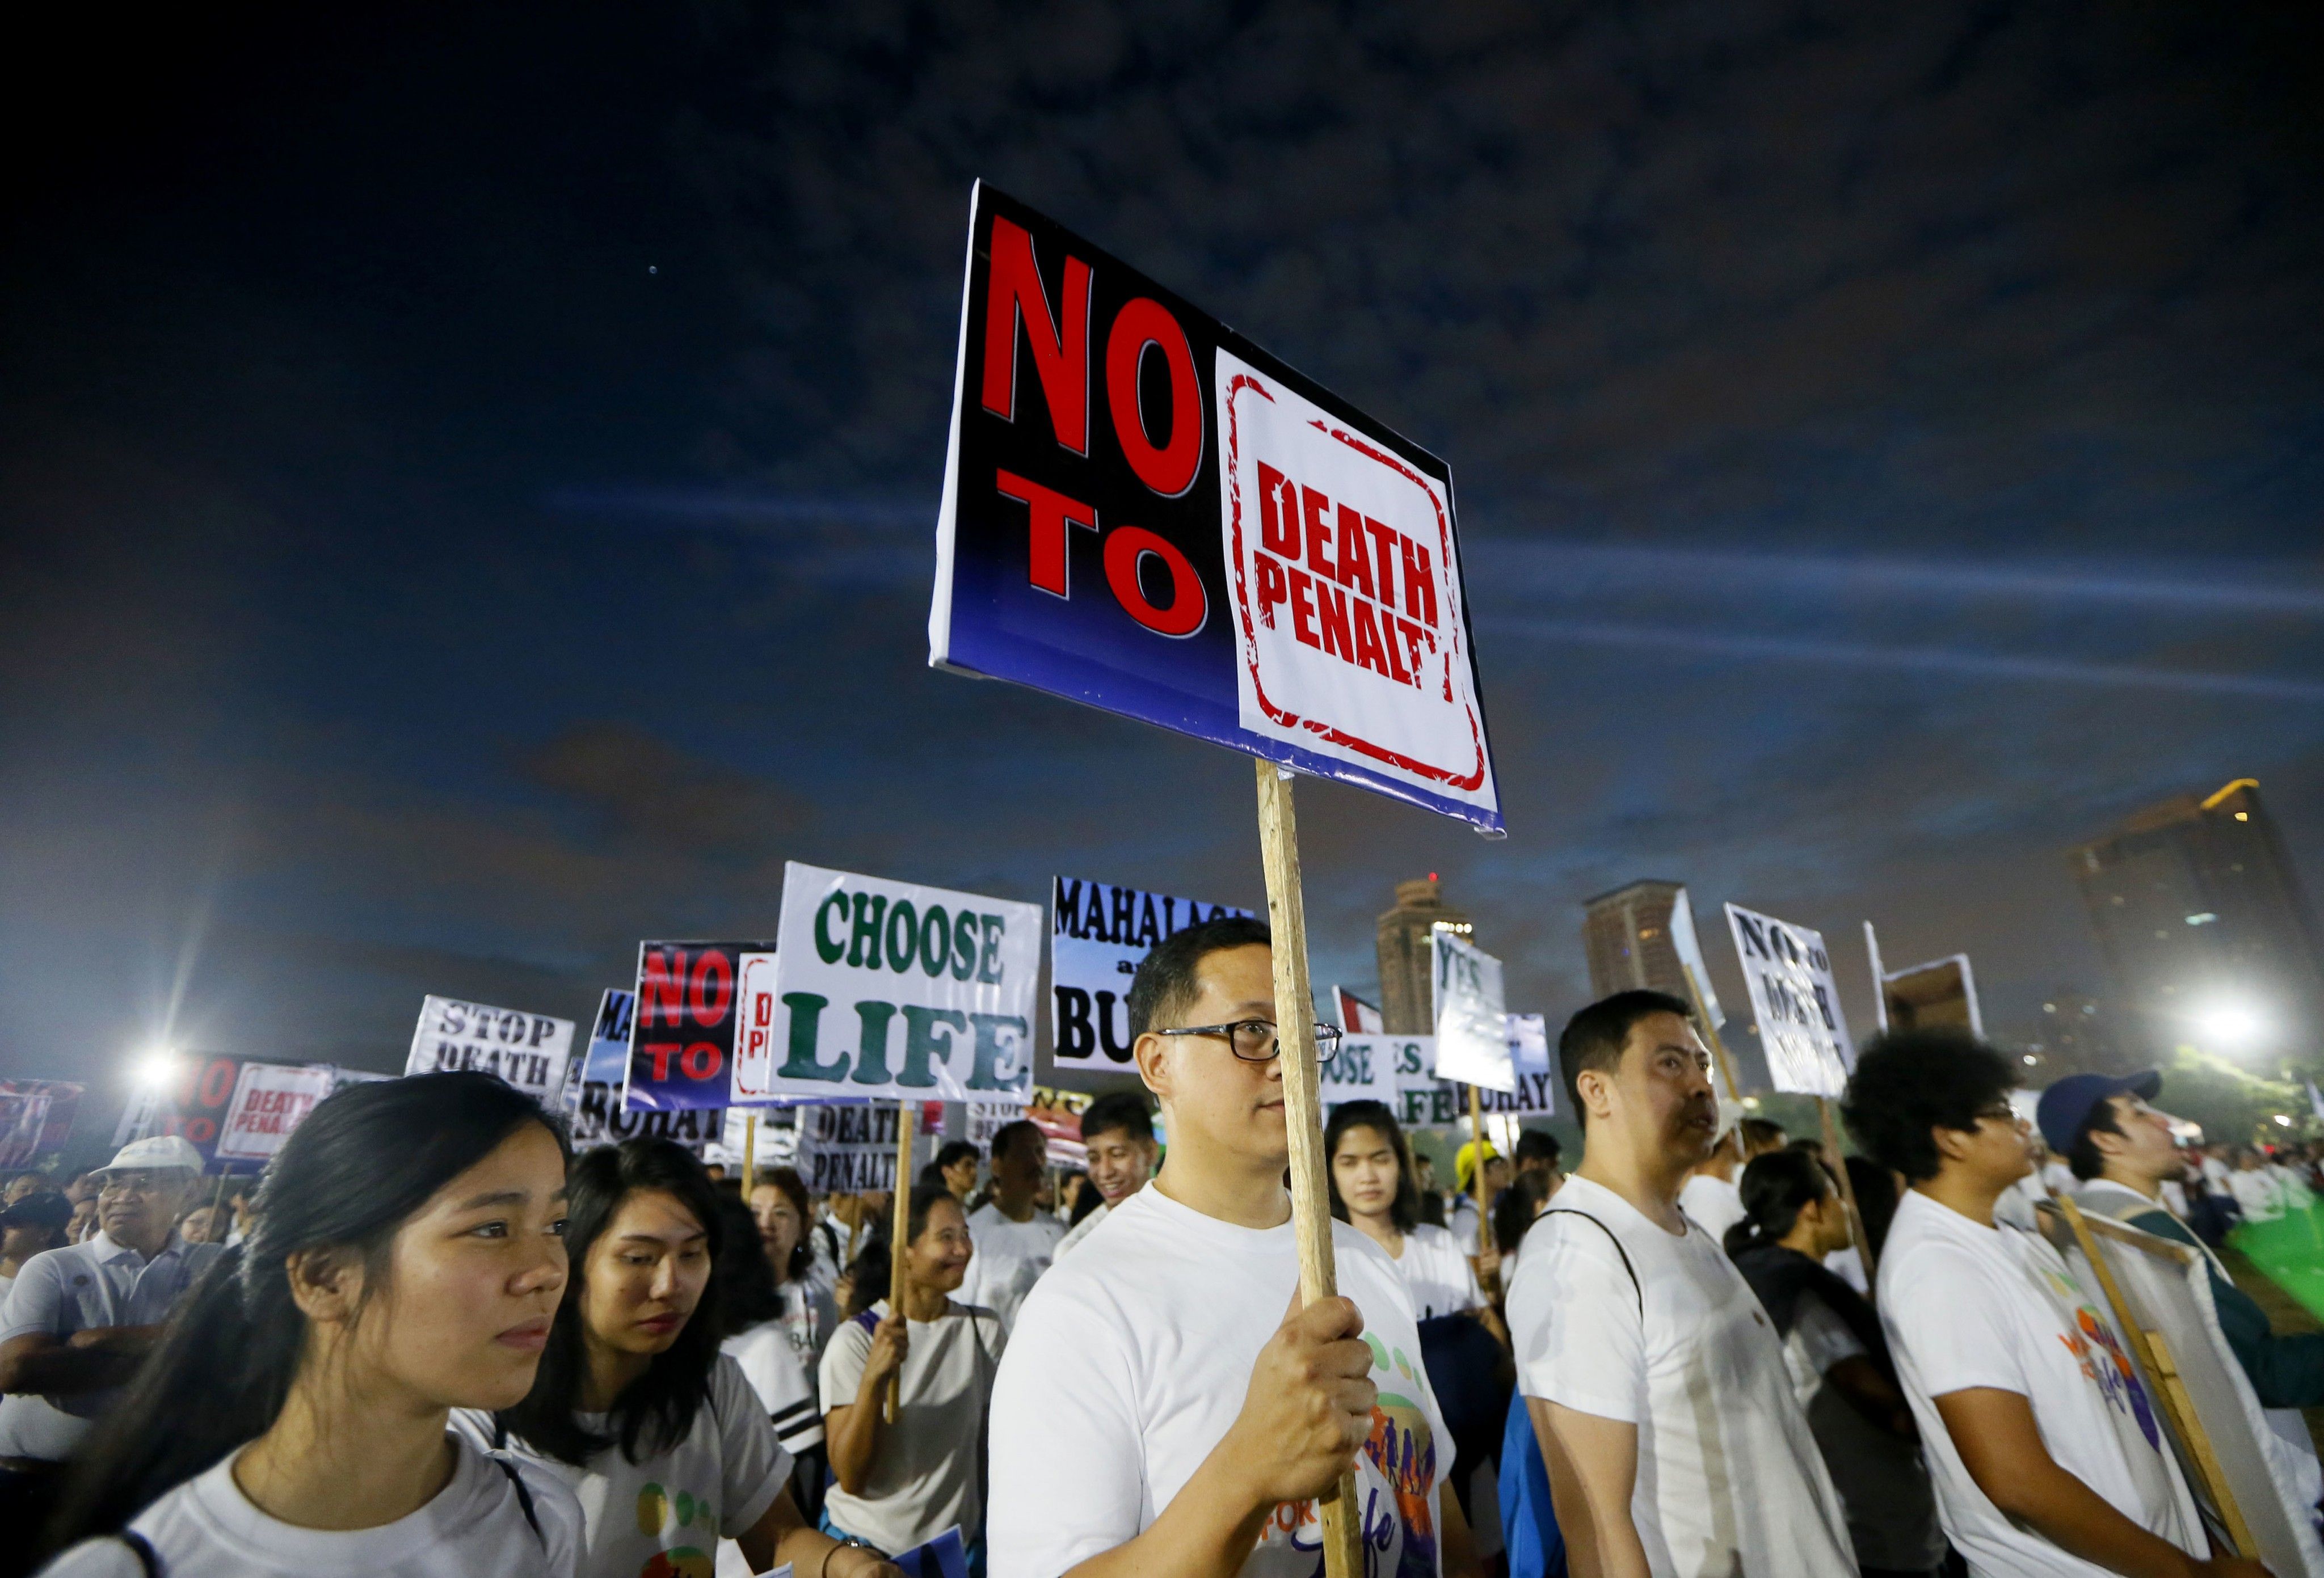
{"x": 713, "y": 988}
{"x": 701, "y": 1060}
{"x": 661, "y": 1052}
{"x": 1355, "y": 563}
{"x": 1013, "y": 293}
{"x": 661, "y": 990}
{"x": 1127, "y": 547}
{"x": 1384, "y": 543}
{"x": 1278, "y": 513}
{"x": 1369, "y": 653}
{"x": 1331, "y": 618}
{"x": 1419, "y": 584}
{"x": 1049, "y": 566}
{"x": 1170, "y": 470}
{"x": 1271, "y": 587}
{"x": 1311, "y": 507}
{"x": 1303, "y": 606}
{"x": 217, "y": 1082}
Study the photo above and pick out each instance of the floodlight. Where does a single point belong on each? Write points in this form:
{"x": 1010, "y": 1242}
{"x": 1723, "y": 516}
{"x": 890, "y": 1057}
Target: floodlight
{"x": 154, "y": 1067}
{"x": 2230, "y": 1023}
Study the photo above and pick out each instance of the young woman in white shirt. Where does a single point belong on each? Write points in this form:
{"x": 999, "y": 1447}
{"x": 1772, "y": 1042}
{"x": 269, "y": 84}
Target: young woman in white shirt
{"x": 1373, "y": 1190}
{"x": 657, "y": 1434}
{"x": 777, "y": 1316}
{"x": 405, "y": 1259}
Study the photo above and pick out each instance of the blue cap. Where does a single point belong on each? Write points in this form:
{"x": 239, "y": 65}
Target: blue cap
{"x": 2066, "y": 1106}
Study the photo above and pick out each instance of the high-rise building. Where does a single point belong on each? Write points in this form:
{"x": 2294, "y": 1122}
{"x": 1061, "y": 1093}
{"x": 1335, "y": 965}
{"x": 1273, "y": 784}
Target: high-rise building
{"x": 2204, "y": 926}
{"x": 1626, "y": 934}
{"x": 2076, "y": 1035}
{"x": 1406, "y": 955}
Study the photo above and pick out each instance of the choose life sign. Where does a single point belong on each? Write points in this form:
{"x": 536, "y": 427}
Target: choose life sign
{"x": 891, "y": 989}
{"x": 1802, "y": 1028}
{"x": 1145, "y": 512}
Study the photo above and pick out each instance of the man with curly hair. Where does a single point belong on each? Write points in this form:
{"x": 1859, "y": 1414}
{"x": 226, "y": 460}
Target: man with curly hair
{"x": 2044, "y": 1448}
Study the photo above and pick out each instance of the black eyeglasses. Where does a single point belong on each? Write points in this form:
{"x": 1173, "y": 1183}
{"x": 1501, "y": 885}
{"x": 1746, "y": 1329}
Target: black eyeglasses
{"x": 1254, "y": 1041}
{"x": 2000, "y": 1111}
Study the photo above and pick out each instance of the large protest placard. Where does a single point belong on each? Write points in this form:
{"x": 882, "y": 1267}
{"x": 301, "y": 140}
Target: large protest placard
{"x": 1802, "y": 1031}
{"x": 889, "y": 988}
{"x": 1473, "y": 1024}
{"x": 1941, "y": 995}
{"x": 850, "y": 1147}
{"x": 36, "y": 1120}
{"x": 594, "y": 1111}
{"x": 1098, "y": 935}
{"x": 683, "y": 1029}
{"x": 269, "y": 1100}
{"x": 528, "y": 1050}
{"x": 1200, "y": 537}
{"x": 2243, "y": 1465}
{"x": 191, "y": 1102}
{"x": 1402, "y": 1067}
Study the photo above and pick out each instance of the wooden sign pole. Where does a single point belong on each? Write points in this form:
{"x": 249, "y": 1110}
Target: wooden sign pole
{"x": 1477, "y": 1163}
{"x": 750, "y": 1156}
{"x": 1303, "y": 1114}
{"x": 899, "y": 1239}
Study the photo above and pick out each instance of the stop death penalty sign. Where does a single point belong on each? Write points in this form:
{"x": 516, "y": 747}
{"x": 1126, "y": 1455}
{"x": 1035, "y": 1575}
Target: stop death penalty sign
{"x": 1145, "y": 512}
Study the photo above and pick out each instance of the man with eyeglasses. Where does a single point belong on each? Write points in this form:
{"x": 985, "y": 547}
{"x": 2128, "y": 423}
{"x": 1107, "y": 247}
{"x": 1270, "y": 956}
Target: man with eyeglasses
{"x": 2044, "y": 1449}
{"x": 1165, "y": 1405}
{"x": 77, "y": 1319}
{"x": 2123, "y": 1152}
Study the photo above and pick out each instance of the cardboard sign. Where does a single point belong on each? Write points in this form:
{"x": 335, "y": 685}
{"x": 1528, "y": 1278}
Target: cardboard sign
{"x": 888, "y": 988}
{"x": 269, "y": 1099}
{"x": 1941, "y": 995}
{"x": 1472, "y": 1026}
{"x": 1145, "y": 512}
{"x": 682, "y": 1025}
{"x": 850, "y": 1148}
{"x": 1688, "y": 949}
{"x": 1098, "y": 935}
{"x": 1802, "y": 1028}
{"x": 527, "y": 1051}
{"x": 36, "y": 1120}
{"x": 1423, "y": 1101}
{"x": 1530, "y": 1043}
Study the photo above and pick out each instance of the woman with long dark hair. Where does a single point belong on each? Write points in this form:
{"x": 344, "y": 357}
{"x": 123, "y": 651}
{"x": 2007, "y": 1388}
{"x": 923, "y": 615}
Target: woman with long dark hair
{"x": 657, "y": 1433}
{"x": 1373, "y": 1189}
{"x": 901, "y": 1486}
{"x": 405, "y": 1258}
{"x": 1792, "y": 1216}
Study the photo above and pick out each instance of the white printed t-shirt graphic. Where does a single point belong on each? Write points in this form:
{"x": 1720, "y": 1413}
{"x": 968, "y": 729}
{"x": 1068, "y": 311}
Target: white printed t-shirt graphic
{"x": 208, "y": 1528}
{"x": 1968, "y": 1305}
{"x": 664, "y": 1516}
{"x": 1344, "y": 591}
{"x": 1730, "y": 1478}
{"x": 1131, "y": 1360}
{"x": 1011, "y": 1257}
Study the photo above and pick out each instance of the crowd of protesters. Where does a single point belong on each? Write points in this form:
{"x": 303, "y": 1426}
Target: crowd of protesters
{"x": 432, "y": 1341}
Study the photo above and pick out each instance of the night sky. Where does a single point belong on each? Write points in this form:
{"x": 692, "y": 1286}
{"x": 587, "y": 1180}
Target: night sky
{"x": 468, "y": 479}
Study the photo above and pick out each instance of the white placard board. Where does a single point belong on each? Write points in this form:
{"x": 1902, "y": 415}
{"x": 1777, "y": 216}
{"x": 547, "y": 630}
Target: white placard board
{"x": 1472, "y": 1026}
{"x": 269, "y": 1099}
{"x": 528, "y": 1050}
{"x": 1688, "y": 949}
{"x": 1422, "y": 1101}
{"x": 1099, "y": 932}
{"x": 850, "y": 1147}
{"x": 889, "y": 989}
{"x": 1802, "y": 1030}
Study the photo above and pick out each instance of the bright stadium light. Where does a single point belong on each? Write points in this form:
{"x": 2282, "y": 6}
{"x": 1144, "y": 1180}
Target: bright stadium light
{"x": 153, "y": 1067}
{"x": 2230, "y": 1023}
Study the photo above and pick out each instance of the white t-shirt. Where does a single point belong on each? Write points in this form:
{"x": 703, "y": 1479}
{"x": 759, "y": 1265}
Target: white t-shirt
{"x": 924, "y": 1478}
{"x": 208, "y": 1528}
{"x": 1437, "y": 1271}
{"x": 1078, "y": 1232}
{"x": 785, "y": 1383}
{"x": 1715, "y": 1203}
{"x": 663, "y": 1518}
{"x": 1729, "y": 1479}
{"x": 1011, "y": 1257}
{"x": 1133, "y": 1360}
{"x": 2257, "y": 1192}
{"x": 1461, "y": 1221}
{"x": 1968, "y": 1306}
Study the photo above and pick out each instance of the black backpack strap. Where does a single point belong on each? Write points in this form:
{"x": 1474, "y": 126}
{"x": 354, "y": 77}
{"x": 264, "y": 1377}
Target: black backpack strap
{"x": 523, "y": 1499}
{"x": 143, "y": 1549}
{"x": 1638, "y": 1292}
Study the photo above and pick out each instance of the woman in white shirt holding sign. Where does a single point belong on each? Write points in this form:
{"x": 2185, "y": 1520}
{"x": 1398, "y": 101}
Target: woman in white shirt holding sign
{"x": 657, "y": 1433}
{"x": 405, "y": 1259}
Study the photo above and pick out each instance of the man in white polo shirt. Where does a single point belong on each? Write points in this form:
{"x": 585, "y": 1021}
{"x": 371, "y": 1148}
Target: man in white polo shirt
{"x": 1015, "y": 1240}
{"x": 77, "y": 1319}
{"x": 1165, "y": 1406}
{"x": 1675, "y": 1444}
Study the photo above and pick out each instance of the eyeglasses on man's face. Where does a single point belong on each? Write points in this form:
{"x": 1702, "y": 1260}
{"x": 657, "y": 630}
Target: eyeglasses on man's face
{"x": 1255, "y": 1040}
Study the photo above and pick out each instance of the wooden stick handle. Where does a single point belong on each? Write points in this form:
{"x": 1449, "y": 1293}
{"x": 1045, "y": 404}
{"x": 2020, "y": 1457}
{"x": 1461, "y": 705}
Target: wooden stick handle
{"x": 1303, "y": 1109}
{"x": 1477, "y": 1163}
{"x": 897, "y": 1239}
{"x": 750, "y": 1156}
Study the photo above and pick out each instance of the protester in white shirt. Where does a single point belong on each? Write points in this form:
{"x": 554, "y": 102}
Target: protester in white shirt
{"x": 1655, "y": 1380}
{"x": 2256, "y": 1190}
{"x": 1016, "y": 1239}
{"x": 780, "y": 1338}
{"x": 1709, "y": 1197}
{"x": 657, "y": 1434}
{"x": 902, "y": 1485}
{"x": 1167, "y": 1405}
{"x": 405, "y": 1262}
{"x": 2046, "y": 1451}
{"x": 1838, "y": 1359}
{"x": 1118, "y": 1134}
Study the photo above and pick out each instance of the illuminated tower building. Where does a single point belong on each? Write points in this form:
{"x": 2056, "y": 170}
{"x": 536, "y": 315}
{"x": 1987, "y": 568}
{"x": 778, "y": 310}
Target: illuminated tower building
{"x": 1626, "y": 934}
{"x": 2204, "y": 926}
{"x": 1408, "y": 999}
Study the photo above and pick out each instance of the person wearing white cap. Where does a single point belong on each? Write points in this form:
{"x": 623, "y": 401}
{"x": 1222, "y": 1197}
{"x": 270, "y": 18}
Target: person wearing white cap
{"x": 1711, "y": 1197}
{"x": 77, "y": 1319}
